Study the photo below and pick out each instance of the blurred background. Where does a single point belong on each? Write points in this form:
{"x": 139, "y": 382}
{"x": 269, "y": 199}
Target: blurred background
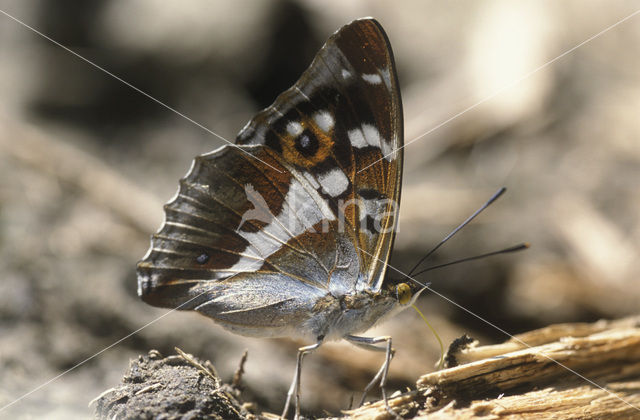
{"x": 86, "y": 163}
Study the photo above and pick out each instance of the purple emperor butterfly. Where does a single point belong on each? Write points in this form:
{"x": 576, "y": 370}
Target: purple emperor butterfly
{"x": 288, "y": 232}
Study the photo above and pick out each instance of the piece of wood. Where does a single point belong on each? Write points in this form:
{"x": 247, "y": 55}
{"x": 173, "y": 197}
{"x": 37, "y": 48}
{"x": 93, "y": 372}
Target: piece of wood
{"x": 576, "y": 371}
{"x": 571, "y": 371}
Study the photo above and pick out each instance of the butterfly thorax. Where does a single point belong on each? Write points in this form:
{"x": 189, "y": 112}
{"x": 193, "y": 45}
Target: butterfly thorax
{"x": 333, "y": 317}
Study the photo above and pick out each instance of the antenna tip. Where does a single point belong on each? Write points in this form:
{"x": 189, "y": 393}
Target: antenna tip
{"x": 495, "y": 196}
{"x": 519, "y": 247}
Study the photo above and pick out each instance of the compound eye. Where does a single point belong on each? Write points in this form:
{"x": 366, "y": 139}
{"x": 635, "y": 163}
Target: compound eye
{"x": 404, "y": 293}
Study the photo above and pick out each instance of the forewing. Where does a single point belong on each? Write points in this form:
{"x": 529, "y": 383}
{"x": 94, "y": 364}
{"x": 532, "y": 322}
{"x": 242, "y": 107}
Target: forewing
{"x": 341, "y": 126}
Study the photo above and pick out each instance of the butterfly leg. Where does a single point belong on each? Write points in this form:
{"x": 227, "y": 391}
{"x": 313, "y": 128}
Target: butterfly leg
{"x": 294, "y": 389}
{"x": 369, "y": 343}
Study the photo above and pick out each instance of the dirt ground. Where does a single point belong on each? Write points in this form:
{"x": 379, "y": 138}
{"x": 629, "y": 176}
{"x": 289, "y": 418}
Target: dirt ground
{"x": 494, "y": 94}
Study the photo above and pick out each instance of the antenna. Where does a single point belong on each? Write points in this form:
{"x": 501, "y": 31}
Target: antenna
{"x": 514, "y": 248}
{"x": 463, "y": 224}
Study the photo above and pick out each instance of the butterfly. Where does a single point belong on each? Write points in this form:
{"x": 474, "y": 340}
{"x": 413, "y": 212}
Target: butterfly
{"x": 288, "y": 231}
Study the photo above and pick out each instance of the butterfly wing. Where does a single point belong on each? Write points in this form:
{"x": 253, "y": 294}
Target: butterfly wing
{"x": 351, "y": 87}
{"x": 304, "y": 205}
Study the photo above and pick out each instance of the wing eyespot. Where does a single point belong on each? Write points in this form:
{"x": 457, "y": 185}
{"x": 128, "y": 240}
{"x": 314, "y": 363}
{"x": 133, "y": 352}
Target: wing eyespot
{"x": 306, "y": 143}
{"x": 203, "y": 258}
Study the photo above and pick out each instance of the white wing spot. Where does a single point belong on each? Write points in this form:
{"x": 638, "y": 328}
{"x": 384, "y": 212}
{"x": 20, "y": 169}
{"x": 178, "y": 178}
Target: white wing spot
{"x": 374, "y": 79}
{"x": 294, "y": 128}
{"x": 356, "y": 138}
{"x": 371, "y": 134}
{"x": 345, "y": 74}
{"x": 334, "y": 182}
{"x": 324, "y": 120}
{"x": 368, "y": 135}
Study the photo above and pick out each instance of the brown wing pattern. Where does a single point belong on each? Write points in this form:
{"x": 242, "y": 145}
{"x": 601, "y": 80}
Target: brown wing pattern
{"x": 315, "y": 210}
{"x": 232, "y": 215}
{"x": 353, "y": 78}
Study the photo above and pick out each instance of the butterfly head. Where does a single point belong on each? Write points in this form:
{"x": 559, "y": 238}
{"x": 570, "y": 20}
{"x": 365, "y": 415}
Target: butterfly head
{"x": 405, "y": 291}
